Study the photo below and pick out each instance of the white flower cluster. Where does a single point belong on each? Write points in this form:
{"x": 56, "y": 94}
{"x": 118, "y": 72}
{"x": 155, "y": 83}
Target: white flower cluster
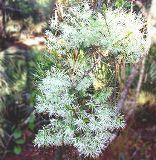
{"x": 85, "y": 121}
{"x": 78, "y": 116}
{"x": 115, "y": 31}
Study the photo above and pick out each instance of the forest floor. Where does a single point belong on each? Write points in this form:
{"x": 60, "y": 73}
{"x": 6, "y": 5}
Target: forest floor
{"x": 136, "y": 142}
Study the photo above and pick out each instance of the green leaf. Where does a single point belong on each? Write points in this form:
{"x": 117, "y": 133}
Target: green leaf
{"x": 104, "y": 7}
{"x": 32, "y": 118}
{"x": 68, "y": 107}
{"x": 17, "y": 134}
{"x": 86, "y": 120}
{"x": 31, "y": 126}
{"x": 17, "y": 150}
{"x": 82, "y": 93}
{"x": 119, "y": 3}
{"x": 129, "y": 34}
{"x": 20, "y": 141}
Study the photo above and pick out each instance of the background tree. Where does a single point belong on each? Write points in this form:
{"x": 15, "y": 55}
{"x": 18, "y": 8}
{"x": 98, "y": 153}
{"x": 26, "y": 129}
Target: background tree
{"x": 2, "y": 19}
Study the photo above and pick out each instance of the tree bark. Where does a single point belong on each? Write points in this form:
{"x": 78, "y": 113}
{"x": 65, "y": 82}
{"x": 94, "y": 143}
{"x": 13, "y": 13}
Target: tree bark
{"x": 2, "y": 19}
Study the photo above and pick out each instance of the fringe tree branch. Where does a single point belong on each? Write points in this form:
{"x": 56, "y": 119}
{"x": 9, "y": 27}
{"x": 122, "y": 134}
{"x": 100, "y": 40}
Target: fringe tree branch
{"x": 135, "y": 69}
{"x": 141, "y": 77}
{"x": 128, "y": 84}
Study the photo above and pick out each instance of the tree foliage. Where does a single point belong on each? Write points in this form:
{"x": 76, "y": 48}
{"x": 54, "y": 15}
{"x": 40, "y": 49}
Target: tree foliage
{"x": 81, "y": 40}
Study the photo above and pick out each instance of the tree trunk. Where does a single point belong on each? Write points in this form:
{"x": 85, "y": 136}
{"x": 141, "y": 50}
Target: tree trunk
{"x": 153, "y": 21}
{"x": 2, "y": 19}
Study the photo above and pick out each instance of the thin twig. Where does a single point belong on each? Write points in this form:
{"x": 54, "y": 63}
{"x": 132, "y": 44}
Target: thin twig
{"x": 141, "y": 76}
{"x": 94, "y": 65}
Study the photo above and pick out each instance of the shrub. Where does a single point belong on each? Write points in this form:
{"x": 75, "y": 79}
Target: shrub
{"x": 81, "y": 114}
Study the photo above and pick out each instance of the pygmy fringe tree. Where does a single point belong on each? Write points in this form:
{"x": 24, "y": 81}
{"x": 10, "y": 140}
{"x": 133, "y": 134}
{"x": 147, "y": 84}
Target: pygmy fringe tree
{"x": 81, "y": 114}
